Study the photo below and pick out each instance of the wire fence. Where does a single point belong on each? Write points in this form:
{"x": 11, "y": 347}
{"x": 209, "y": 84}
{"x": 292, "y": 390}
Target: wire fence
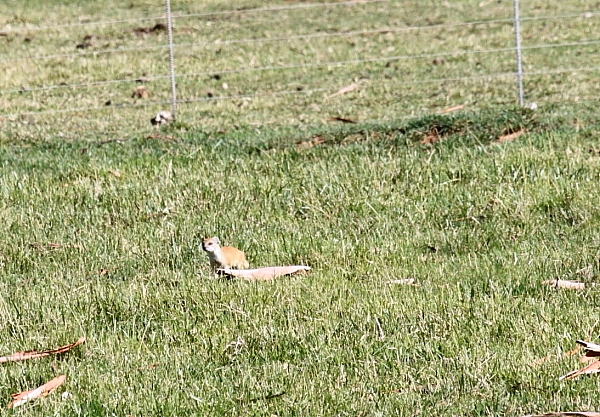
{"x": 50, "y": 80}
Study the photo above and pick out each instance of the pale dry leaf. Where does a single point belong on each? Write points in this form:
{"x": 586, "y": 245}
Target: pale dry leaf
{"x": 592, "y": 351}
{"x": 34, "y": 354}
{"x": 587, "y": 358}
{"x": 589, "y": 346}
{"x": 263, "y": 274}
{"x": 344, "y": 90}
{"x": 41, "y": 391}
{"x": 592, "y": 368}
{"x": 451, "y": 109}
{"x": 116, "y": 173}
{"x": 510, "y": 136}
{"x": 565, "y": 284}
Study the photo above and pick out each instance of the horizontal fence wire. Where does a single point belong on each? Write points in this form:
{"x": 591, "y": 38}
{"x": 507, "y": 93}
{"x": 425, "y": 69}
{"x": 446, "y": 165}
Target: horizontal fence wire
{"x": 256, "y": 40}
{"x": 382, "y": 59}
{"x": 85, "y": 85}
{"x": 258, "y": 95}
{"x": 203, "y": 14}
{"x": 79, "y": 24}
{"x": 299, "y": 92}
{"x": 298, "y": 37}
{"x": 163, "y": 102}
{"x": 300, "y": 66}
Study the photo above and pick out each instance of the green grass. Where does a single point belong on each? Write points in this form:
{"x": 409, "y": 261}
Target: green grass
{"x": 478, "y": 225}
{"x": 388, "y": 89}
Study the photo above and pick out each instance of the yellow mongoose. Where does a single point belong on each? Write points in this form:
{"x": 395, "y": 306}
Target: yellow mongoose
{"x": 223, "y": 257}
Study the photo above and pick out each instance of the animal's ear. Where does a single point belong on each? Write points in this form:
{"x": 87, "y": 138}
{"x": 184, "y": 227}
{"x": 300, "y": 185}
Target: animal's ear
{"x": 217, "y": 240}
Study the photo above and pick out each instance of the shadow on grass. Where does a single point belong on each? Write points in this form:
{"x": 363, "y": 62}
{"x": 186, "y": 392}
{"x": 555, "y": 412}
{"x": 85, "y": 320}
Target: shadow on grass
{"x": 476, "y": 128}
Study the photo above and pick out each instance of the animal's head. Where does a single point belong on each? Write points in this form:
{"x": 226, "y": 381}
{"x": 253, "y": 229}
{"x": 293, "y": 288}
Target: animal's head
{"x": 211, "y": 244}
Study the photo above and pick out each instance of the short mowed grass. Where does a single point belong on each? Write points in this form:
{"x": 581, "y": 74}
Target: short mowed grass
{"x": 478, "y": 225}
{"x": 239, "y": 66}
{"x": 102, "y": 215}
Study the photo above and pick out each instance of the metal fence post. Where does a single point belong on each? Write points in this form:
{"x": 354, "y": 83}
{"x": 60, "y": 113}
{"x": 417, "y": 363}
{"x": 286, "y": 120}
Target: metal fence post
{"x": 171, "y": 60}
{"x": 517, "y": 25}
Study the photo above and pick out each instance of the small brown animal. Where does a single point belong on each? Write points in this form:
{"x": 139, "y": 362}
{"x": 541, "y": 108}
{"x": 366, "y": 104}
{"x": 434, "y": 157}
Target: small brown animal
{"x": 223, "y": 257}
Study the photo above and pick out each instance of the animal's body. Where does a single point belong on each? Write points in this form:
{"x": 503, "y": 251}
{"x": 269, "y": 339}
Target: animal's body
{"x": 223, "y": 256}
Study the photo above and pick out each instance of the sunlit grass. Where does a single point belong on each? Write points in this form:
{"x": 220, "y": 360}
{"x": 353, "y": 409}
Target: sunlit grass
{"x": 478, "y": 225}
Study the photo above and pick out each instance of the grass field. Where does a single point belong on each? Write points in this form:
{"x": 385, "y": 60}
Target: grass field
{"x": 478, "y": 225}
{"x": 215, "y": 51}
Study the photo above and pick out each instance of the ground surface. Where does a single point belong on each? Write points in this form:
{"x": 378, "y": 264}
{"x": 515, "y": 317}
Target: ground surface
{"x": 280, "y": 66}
{"x": 478, "y": 225}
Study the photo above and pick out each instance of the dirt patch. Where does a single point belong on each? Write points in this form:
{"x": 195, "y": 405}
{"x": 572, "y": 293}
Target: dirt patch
{"x": 159, "y": 27}
{"x": 430, "y": 138}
